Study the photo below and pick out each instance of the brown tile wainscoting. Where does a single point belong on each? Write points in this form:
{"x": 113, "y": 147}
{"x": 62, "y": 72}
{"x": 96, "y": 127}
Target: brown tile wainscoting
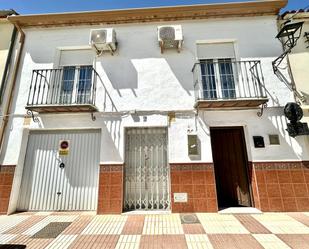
{"x": 198, "y": 180}
{"x": 110, "y": 189}
{"x": 6, "y": 181}
{"x": 281, "y": 186}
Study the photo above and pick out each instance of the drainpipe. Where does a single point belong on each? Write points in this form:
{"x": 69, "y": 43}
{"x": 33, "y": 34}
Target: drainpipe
{"x": 7, "y": 107}
{"x": 7, "y": 65}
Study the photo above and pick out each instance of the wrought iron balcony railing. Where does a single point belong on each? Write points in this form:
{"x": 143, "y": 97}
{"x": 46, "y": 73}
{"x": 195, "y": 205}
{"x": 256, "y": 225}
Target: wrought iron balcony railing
{"x": 67, "y": 89}
{"x": 228, "y": 83}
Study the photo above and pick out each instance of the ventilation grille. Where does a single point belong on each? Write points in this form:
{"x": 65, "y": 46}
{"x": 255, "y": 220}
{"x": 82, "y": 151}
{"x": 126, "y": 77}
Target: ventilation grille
{"x": 167, "y": 34}
{"x": 52, "y": 230}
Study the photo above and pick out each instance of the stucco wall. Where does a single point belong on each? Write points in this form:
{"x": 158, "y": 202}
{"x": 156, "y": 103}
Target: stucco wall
{"x": 138, "y": 77}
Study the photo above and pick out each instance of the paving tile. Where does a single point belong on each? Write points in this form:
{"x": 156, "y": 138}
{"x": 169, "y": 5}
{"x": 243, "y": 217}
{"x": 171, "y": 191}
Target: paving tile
{"x": 295, "y": 241}
{"x": 67, "y": 213}
{"x": 198, "y": 241}
{"x": 162, "y": 224}
{"x": 160, "y": 231}
{"x": 193, "y": 229}
{"x": 279, "y": 223}
{"x": 301, "y": 217}
{"x": 128, "y": 241}
{"x": 44, "y": 213}
{"x": 270, "y": 241}
{"x": 25, "y": 225}
{"x": 163, "y": 241}
{"x": 234, "y": 241}
{"x": 221, "y": 223}
{"x": 251, "y": 224}
{"x": 78, "y": 225}
{"x": 5, "y": 238}
{"x": 25, "y": 213}
{"x": 62, "y": 242}
{"x": 106, "y": 224}
{"x": 95, "y": 241}
{"x": 8, "y": 222}
{"x": 55, "y": 218}
{"x": 30, "y": 242}
{"x": 134, "y": 225}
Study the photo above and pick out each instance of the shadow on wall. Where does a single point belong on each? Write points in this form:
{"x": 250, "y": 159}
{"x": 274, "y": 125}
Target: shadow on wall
{"x": 289, "y": 148}
{"x": 149, "y": 74}
{"x": 110, "y": 144}
{"x": 118, "y": 72}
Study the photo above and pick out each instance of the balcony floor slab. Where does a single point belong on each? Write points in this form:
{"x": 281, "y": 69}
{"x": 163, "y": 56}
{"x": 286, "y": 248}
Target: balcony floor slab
{"x": 230, "y": 103}
{"x": 62, "y": 108}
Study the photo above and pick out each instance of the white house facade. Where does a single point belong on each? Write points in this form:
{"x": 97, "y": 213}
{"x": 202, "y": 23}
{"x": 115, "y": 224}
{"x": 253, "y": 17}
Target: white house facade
{"x": 174, "y": 109}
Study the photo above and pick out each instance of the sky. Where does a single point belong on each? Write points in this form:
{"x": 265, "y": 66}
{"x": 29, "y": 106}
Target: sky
{"x": 52, "y": 6}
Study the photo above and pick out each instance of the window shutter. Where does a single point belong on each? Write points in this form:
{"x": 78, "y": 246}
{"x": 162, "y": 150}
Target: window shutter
{"x": 76, "y": 57}
{"x": 215, "y": 50}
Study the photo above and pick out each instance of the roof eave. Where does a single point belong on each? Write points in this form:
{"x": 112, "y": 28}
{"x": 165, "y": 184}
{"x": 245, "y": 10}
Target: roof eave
{"x": 253, "y": 8}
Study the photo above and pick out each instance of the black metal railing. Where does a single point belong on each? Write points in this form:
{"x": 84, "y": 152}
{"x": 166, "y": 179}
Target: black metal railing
{"x": 226, "y": 79}
{"x": 67, "y": 86}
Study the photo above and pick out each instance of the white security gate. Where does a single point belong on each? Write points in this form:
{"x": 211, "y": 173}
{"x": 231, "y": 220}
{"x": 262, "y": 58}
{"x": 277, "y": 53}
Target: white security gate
{"x": 61, "y": 182}
{"x": 147, "y": 185}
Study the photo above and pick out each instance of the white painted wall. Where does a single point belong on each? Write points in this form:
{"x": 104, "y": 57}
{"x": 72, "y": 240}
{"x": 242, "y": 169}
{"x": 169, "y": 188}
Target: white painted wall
{"x": 139, "y": 77}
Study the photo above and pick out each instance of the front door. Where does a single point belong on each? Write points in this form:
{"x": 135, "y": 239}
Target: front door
{"x": 147, "y": 173}
{"x": 231, "y": 167}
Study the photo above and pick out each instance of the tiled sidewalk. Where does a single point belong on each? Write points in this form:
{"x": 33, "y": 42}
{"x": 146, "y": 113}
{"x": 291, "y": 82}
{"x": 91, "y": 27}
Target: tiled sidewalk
{"x": 268, "y": 230}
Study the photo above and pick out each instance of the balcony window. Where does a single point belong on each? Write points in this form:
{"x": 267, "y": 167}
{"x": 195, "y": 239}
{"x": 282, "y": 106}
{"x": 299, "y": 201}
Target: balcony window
{"x": 67, "y": 85}
{"x": 218, "y": 72}
{"x": 82, "y": 83}
{"x": 228, "y": 83}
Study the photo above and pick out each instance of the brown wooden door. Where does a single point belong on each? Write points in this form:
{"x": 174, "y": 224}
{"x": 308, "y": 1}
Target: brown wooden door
{"x": 230, "y": 163}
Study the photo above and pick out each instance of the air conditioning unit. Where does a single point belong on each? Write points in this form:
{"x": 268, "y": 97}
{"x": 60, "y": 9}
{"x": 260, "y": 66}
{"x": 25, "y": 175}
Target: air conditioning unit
{"x": 170, "y": 36}
{"x": 103, "y": 40}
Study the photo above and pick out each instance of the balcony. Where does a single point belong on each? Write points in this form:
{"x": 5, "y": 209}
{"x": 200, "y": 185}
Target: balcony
{"x": 226, "y": 83}
{"x": 70, "y": 89}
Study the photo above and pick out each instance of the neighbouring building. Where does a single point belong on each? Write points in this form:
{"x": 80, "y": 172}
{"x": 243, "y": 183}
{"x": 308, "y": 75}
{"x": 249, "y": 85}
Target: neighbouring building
{"x": 153, "y": 109}
{"x": 8, "y": 39}
{"x": 299, "y": 58}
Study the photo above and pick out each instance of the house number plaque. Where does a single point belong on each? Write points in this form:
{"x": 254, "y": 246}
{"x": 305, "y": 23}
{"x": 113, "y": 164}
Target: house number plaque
{"x": 180, "y": 197}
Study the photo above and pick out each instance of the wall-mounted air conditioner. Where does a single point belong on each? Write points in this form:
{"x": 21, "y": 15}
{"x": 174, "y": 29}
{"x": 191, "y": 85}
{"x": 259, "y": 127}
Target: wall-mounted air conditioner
{"x": 103, "y": 40}
{"x": 170, "y": 36}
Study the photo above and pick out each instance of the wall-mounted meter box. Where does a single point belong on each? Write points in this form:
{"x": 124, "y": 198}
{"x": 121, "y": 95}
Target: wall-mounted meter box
{"x": 192, "y": 145}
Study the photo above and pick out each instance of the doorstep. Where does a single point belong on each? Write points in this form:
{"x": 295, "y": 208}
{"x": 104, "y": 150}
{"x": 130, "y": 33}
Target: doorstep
{"x": 240, "y": 210}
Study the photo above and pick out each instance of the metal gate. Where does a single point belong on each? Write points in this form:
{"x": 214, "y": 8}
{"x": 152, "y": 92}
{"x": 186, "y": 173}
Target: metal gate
{"x": 61, "y": 182}
{"x": 147, "y": 175}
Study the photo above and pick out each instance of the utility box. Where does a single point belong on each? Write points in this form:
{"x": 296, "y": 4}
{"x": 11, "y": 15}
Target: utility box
{"x": 192, "y": 145}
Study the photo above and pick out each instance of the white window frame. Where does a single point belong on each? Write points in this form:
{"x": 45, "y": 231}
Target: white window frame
{"x": 219, "y": 92}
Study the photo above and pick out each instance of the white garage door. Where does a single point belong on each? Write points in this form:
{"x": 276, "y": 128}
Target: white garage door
{"x": 61, "y": 182}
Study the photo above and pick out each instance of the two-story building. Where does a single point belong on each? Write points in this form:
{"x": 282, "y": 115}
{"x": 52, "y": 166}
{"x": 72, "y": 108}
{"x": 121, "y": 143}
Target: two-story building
{"x": 153, "y": 109}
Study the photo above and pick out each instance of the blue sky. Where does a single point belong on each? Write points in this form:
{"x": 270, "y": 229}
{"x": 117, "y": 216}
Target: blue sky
{"x": 49, "y": 6}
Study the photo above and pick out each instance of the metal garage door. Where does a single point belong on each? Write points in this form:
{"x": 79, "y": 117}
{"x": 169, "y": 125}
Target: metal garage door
{"x": 61, "y": 182}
